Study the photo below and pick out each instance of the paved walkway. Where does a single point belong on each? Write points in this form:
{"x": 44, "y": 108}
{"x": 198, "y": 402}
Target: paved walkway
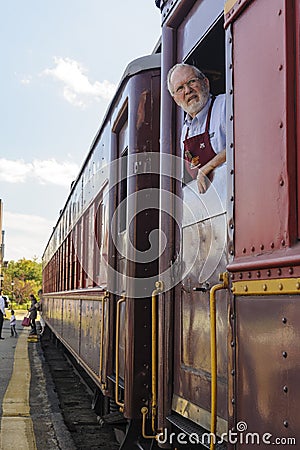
{"x": 16, "y": 424}
{"x": 30, "y": 417}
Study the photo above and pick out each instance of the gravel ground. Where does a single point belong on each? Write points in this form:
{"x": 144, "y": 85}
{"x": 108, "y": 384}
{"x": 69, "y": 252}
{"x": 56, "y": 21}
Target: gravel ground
{"x": 61, "y": 404}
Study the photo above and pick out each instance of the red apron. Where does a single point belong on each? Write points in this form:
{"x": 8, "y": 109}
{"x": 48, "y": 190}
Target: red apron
{"x": 197, "y": 149}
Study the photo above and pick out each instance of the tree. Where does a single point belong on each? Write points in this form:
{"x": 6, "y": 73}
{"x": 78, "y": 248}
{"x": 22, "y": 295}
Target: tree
{"x": 22, "y": 278}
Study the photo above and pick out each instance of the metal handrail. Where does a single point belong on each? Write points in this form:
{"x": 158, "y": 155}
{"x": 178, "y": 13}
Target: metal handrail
{"x": 103, "y": 301}
{"x": 213, "y": 354}
{"x": 118, "y": 402}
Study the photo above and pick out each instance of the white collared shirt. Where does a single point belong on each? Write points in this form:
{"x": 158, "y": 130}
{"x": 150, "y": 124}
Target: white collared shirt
{"x": 217, "y": 127}
{"x": 2, "y": 305}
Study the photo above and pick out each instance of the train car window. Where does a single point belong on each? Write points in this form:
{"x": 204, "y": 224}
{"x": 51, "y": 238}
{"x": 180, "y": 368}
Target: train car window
{"x": 98, "y": 239}
{"x": 209, "y": 56}
{"x": 122, "y": 149}
{"x": 123, "y": 191}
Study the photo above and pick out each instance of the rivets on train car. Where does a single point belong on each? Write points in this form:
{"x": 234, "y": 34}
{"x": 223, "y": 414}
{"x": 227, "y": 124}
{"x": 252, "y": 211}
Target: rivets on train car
{"x": 252, "y": 248}
{"x": 249, "y": 274}
{"x": 231, "y": 144}
{"x": 232, "y": 276}
{"x": 280, "y": 124}
{"x": 280, "y": 286}
{"x": 231, "y": 172}
{"x": 291, "y": 270}
{"x": 279, "y": 271}
{"x": 232, "y": 343}
{"x": 233, "y": 372}
{"x": 258, "y": 274}
{"x": 244, "y": 250}
{"x": 230, "y": 40}
{"x": 284, "y": 354}
{"x": 283, "y": 242}
{"x": 262, "y": 246}
{"x": 284, "y": 320}
{"x": 285, "y": 389}
{"x": 240, "y": 276}
{"x": 231, "y": 91}
{"x": 232, "y": 252}
{"x": 281, "y": 182}
{"x": 269, "y": 273}
{"x": 230, "y": 66}
{"x": 298, "y": 285}
{"x": 232, "y": 316}
{"x": 279, "y": 12}
{"x": 285, "y": 423}
{"x": 245, "y": 288}
{"x": 233, "y": 401}
{"x": 272, "y": 245}
{"x": 280, "y": 67}
{"x": 232, "y": 198}
{"x": 265, "y": 287}
{"x": 231, "y": 118}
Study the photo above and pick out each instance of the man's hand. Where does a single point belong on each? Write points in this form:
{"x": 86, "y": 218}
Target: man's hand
{"x": 203, "y": 181}
{"x": 205, "y": 174}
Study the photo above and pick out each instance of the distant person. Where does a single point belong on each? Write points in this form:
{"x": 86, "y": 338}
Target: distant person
{"x": 39, "y": 307}
{"x": 13, "y": 323}
{"x": 203, "y": 137}
{"x": 33, "y": 314}
{"x": 2, "y": 313}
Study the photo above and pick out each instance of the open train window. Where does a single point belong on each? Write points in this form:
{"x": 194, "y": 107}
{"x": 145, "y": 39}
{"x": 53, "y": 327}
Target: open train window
{"x": 209, "y": 56}
{"x": 122, "y": 134}
{"x": 123, "y": 190}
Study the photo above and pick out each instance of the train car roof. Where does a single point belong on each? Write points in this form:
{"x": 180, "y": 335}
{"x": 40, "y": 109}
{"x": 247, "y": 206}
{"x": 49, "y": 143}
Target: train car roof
{"x": 136, "y": 66}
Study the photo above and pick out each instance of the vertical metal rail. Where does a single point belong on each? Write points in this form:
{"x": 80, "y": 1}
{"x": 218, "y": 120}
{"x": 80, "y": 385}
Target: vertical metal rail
{"x": 144, "y": 410}
{"x": 118, "y": 402}
{"x": 213, "y": 354}
{"x": 104, "y": 298}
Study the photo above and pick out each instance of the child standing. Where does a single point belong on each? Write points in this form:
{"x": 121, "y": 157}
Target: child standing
{"x": 13, "y": 322}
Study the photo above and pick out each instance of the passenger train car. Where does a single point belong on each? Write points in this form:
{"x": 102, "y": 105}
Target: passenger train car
{"x": 183, "y": 308}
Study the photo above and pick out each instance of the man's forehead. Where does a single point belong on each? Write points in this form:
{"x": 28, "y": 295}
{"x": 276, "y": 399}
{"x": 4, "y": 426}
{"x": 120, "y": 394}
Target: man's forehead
{"x": 181, "y": 74}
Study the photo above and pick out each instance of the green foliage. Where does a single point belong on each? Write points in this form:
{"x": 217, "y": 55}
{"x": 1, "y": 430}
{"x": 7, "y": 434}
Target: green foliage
{"x": 22, "y": 278}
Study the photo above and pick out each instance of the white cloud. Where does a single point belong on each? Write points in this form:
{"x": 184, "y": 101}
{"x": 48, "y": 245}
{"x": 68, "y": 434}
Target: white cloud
{"x": 52, "y": 171}
{"x": 60, "y": 173}
{"x": 14, "y": 171}
{"x": 26, "y": 235}
{"x": 78, "y": 89}
{"x": 26, "y": 80}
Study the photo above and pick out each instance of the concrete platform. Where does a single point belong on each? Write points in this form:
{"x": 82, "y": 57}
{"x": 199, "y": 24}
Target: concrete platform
{"x": 30, "y": 414}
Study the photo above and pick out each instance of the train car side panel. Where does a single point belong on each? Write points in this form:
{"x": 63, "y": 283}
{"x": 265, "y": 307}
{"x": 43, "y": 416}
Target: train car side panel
{"x": 264, "y": 130}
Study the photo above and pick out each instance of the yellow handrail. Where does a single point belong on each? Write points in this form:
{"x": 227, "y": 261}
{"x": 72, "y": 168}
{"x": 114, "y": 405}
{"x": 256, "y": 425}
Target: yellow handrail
{"x": 104, "y": 298}
{"x": 213, "y": 354}
{"x": 144, "y": 409}
{"x": 158, "y": 286}
{"x": 118, "y": 402}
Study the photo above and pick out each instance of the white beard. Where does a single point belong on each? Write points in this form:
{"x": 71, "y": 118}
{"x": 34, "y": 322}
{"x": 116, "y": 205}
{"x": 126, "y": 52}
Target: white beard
{"x": 196, "y": 106}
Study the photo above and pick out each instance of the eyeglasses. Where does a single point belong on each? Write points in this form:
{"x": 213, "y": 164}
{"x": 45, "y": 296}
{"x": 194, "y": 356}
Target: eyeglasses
{"x": 190, "y": 84}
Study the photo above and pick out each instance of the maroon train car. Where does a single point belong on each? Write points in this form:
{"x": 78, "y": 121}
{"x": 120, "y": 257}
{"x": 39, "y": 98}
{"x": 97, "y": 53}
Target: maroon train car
{"x": 184, "y": 308}
{"x": 91, "y": 303}
{"x": 245, "y": 395}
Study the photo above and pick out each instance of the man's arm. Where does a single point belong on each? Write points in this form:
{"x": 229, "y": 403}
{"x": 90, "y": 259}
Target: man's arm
{"x": 203, "y": 172}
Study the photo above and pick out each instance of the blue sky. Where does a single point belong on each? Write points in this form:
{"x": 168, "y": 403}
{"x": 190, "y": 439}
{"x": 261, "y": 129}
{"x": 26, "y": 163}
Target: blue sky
{"x": 61, "y": 62}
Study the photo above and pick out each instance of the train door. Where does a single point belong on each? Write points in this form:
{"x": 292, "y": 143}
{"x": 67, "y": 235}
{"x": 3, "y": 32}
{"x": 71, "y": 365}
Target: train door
{"x": 200, "y": 40}
{"x": 133, "y": 218}
{"x": 265, "y": 267}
